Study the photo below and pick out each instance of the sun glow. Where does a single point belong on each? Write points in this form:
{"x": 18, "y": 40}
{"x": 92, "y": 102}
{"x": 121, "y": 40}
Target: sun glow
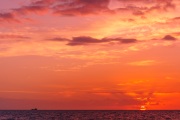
{"x": 143, "y": 107}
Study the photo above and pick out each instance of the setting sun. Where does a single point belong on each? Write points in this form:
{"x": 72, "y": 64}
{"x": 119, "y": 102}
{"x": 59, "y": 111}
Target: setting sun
{"x": 143, "y": 107}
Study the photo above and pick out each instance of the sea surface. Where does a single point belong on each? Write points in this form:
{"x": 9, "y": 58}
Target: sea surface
{"x": 89, "y": 115}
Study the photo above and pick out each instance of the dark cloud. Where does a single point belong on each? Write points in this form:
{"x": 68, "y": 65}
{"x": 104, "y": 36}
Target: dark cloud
{"x": 36, "y": 6}
{"x": 146, "y": 1}
{"x": 146, "y": 6}
{"x": 138, "y": 13}
{"x": 86, "y": 7}
{"x": 30, "y": 9}
{"x": 169, "y": 37}
{"x": 84, "y": 40}
{"x": 164, "y": 6}
{"x": 60, "y": 7}
{"x": 176, "y": 18}
{"x": 81, "y": 7}
{"x": 58, "y": 39}
{"x": 73, "y": 7}
{"x": 128, "y": 40}
{"x": 15, "y": 15}
{"x": 122, "y": 40}
{"x": 8, "y": 17}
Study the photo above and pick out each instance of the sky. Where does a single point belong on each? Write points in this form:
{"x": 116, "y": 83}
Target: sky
{"x": 89, "y": 54}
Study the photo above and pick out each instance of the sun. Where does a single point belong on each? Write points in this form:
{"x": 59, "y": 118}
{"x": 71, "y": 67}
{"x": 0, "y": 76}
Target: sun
{"x": 143, "y": 107}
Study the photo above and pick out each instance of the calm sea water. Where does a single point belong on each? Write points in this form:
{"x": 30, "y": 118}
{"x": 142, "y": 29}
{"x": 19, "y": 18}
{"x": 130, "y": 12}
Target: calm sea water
{"x": 88, "y": 115}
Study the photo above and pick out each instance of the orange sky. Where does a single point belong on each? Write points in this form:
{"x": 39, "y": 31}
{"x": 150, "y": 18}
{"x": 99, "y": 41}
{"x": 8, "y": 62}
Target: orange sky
{"x": 89, "y": 54}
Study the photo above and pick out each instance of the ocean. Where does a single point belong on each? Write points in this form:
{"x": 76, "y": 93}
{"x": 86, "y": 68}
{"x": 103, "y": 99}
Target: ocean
{"x": 89, "y": 115}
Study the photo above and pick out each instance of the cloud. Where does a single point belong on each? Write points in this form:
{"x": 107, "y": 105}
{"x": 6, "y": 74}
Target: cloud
{"x": 36, "y": 6}
{"x": 137, "y": 13}
{"x": 60, "y": 7}
{"x": 176, "y": 18}
{"x": 8, "y": 17}
{"x": 86, "y": 7}
{"x": 12, "y": 36}
{"x": 58, "y": 39}
{"x": 124, "y": 41}
{"x": 81, "y": 7}
{"x": 43, "y": 2}
{"x": 30, "y": 9}
{"x": 176, "y": 33}
{"x": 136, "y": 98}
{"x": 84, "y": 40}
{"x": 143, "y": 63}
{"x": 169, "y": 37}
{"x": 65, "y": 7}
{"x": 14, "y": 15}
{"x": 121, "y": 40}
{"x": 143, "y": 7}
{"x": 162, "y": 5}
{"x": 147, "y": 2}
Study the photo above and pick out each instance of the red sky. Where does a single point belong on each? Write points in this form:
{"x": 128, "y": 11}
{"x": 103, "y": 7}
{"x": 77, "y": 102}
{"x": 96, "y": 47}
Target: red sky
{"x": 89, "y": 54}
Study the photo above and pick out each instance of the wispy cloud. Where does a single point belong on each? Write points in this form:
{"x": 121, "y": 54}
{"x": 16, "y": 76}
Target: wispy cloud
{"x": 143, "y": 63}
{"x": 13, "y": 36}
